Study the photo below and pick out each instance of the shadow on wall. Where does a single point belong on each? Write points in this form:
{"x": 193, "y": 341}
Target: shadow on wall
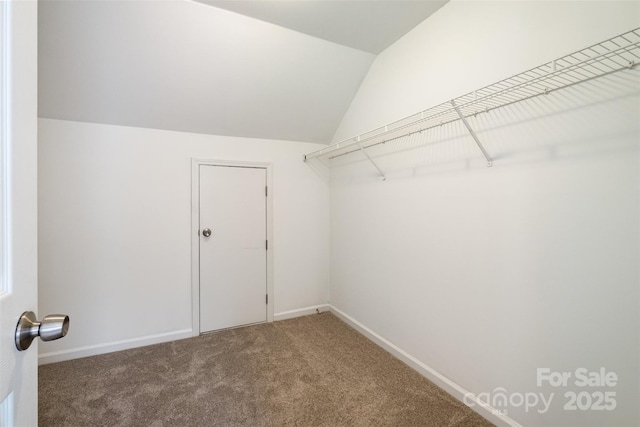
{"x": 591, "y": 119}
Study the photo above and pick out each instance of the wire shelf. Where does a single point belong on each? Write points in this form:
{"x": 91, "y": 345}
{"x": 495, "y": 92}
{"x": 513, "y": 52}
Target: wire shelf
{"x": 615, "y": 54}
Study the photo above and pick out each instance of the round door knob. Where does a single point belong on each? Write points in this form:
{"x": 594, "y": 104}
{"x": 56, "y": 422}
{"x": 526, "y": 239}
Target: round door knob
{"x": 51, "y": 328}
{"x": 206, "y": 232}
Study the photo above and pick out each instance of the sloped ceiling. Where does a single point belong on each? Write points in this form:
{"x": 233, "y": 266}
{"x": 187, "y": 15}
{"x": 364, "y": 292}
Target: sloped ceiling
{"x": 186, "y": 66}
{"x": 369, "y": 25}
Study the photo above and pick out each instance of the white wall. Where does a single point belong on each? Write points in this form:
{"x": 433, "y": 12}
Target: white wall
{"x": 114, "y": 230}
{"x": 486, "y": 274}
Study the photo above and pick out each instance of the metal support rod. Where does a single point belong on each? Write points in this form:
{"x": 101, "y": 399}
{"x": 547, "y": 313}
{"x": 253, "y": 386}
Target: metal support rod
{"x": 384, "y": 178}
{"x": 473, "y": 134}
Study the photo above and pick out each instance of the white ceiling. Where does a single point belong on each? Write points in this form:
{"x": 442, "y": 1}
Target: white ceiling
{"x": 185, "y": 66}
{"x": 369, "y": 25}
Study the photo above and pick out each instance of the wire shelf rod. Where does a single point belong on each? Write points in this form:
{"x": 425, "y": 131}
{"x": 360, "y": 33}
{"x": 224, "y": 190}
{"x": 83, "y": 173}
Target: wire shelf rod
{"x": 467, "y": 116}
{"x": 601, "y": 59}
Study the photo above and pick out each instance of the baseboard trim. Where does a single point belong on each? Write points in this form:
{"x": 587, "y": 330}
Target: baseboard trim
{"x": 283, "y": 315}
{"x": 426, "y": 371}
{"x": 92, "y": 350}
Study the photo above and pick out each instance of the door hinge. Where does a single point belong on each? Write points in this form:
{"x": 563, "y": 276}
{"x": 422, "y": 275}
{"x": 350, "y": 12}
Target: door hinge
{"x": 266, "y": 244}
{"x": 267, "y": 299}
{"x": 266, "y": 191}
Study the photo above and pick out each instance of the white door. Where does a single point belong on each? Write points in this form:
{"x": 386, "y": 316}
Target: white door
{"x": 18, "y": 213}
{"x": 233, "y": 258}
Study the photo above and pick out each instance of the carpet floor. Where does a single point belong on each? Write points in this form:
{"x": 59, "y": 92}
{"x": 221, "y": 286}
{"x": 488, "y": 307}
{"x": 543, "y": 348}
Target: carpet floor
{"x": 308, "y": 371}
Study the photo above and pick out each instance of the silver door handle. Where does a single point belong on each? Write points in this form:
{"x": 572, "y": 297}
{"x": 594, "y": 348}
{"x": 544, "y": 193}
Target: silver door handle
{"x": 51, "y": 328}
{"x": 206, "y": 232}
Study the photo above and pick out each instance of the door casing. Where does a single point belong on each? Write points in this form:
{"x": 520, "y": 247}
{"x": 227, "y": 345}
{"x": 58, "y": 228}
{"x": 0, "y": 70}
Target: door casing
{"x": 195, "y": 237}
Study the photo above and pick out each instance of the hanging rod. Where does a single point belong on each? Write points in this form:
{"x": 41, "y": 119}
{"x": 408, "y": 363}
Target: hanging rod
{"x": 607, "y": 57}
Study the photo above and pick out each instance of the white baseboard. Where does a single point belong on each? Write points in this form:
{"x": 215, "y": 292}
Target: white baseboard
{"x": 431, "y": 374}
{"x": 92, "y": 350}
{"x": 300, "y": 312}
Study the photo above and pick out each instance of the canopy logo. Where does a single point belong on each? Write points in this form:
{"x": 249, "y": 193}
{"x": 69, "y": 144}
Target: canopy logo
{"x": 591, "y": 393}
{"x": 500, "y": 400}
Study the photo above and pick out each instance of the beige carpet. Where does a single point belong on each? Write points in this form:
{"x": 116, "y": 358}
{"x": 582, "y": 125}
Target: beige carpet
{"x": 309, "y": 371}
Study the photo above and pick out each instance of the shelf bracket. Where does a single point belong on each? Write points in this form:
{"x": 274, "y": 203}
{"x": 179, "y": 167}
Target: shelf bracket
{"x": 473, "y": 134}
{"x": 384, "y": 178}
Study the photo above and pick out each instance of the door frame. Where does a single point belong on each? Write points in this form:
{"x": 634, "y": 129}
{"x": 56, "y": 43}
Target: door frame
{"x": 195, "y": 237}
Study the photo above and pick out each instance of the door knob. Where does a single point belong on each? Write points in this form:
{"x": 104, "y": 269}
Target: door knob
{"x": 51, "y": 328}
{"x": 206, "y": 232}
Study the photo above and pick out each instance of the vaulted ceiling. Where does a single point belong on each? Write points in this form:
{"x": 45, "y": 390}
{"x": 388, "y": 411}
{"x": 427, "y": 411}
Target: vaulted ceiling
{"x": 369, "y": 25}
{"x": 288, "y": 70}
